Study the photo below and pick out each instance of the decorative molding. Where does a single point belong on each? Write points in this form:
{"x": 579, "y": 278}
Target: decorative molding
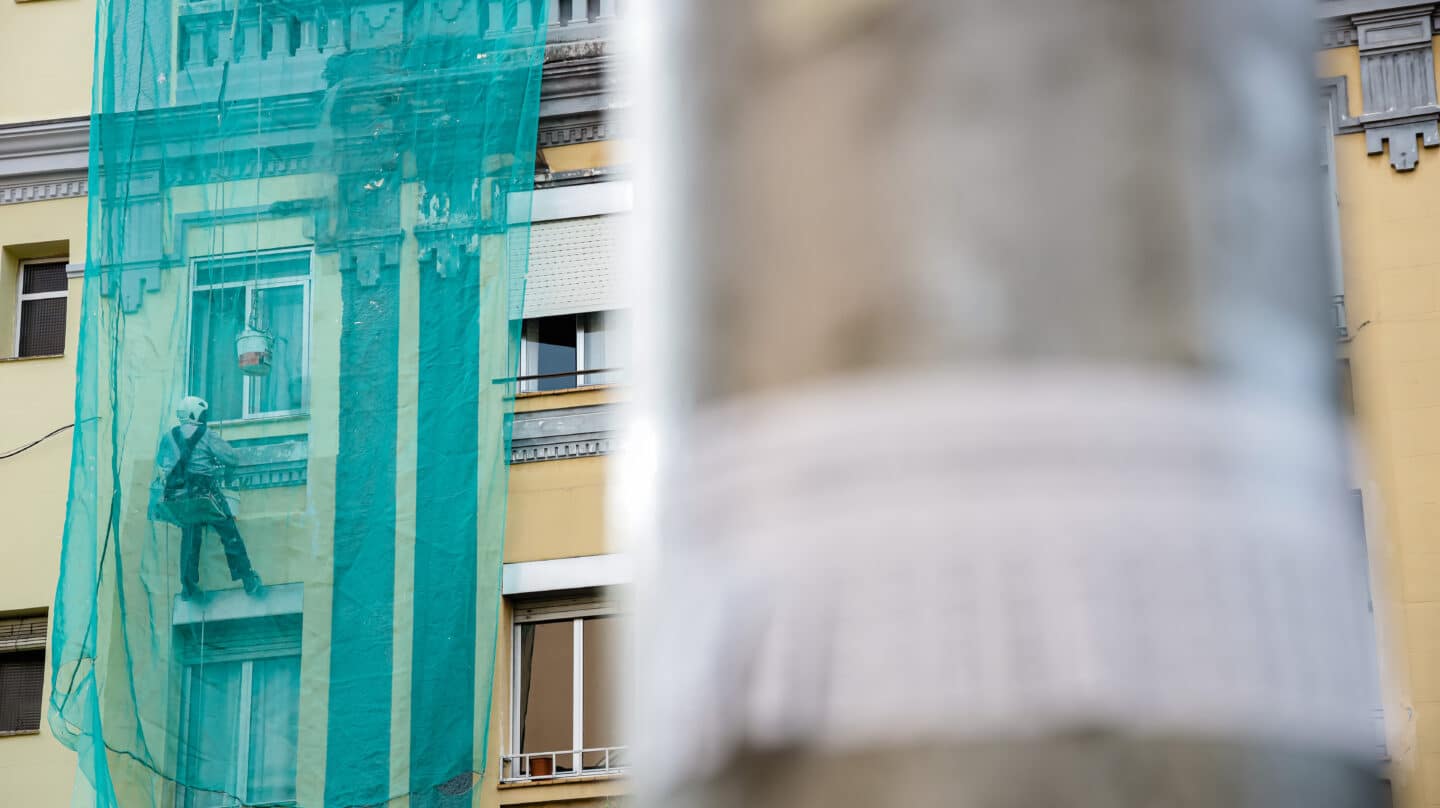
{"x": 1397, "y": 75}
{"x": 16, "y": 193}
{"x": 562, "y": 434}
{"x": 569, "y": 130}
{"x": 1404, "y": 154}
{"x": 1339, "y": 35}
{"x": 42, "y": 160}
{"x": 272, "y": 463}
{"x": 1335, "y": 91}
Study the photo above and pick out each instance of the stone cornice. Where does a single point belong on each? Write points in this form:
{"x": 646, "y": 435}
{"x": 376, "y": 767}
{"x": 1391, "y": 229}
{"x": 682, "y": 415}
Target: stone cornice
{"x": 563, "y": 433}
{"x": 44, "y": 160}
{"x": 1340, "y": 19}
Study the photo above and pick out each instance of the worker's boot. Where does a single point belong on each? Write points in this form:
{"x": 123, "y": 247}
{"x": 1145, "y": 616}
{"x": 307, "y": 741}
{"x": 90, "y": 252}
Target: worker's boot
{"x": 253, "y": 585}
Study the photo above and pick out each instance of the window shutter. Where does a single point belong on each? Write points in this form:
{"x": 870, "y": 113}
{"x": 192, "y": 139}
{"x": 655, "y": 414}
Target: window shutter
{"x": 23, "y": 633}
{"x": 572, "y": 266}
{"x": 589, "y": 603}
{"x": 22, "y": 686}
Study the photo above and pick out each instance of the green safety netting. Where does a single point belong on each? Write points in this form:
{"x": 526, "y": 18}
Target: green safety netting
{"x": 312, "y": 215}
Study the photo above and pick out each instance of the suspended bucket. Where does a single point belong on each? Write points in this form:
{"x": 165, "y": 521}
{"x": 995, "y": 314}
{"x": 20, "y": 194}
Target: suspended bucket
{"x": 253, "y": 352}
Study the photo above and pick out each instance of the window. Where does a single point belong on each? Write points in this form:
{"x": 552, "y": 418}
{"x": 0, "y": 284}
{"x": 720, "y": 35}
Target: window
{"x": 564, "y": 722}
{"x": 22, "y": 674}
{"x": 267, "y": 291}
{"x": 240, "y": 708}
{"x": 556, "y": 350}
{"x": 40, "y": 316}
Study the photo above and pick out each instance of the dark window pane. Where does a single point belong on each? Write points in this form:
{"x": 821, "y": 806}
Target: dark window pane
{"x": 42, "y": 327}
{"x": 44, "y": 278}
{"x": 547, "y": 652}
{"x": 22, "y": 680}
{"x": 216, "y": 318}
{"x": 555, "y": 345}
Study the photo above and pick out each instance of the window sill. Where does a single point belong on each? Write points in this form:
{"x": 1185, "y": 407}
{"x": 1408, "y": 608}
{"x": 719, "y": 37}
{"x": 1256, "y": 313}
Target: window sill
{"x": 582, "y": 388}
{"x": 31, "y": 358}
{"x": 562, "y": 780}
{"x": 262, "y": 419}
{"x": 19, "y": 733}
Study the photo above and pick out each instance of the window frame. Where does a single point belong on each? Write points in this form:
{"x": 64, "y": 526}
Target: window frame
{"x": 21, "y": 298}
{"x": 530, "y": 357}
{"x": 238, "y": 785}
{"x": 556, "y": 609}
{"x": 18, "y": 636}
{"x": 251, "y": 287}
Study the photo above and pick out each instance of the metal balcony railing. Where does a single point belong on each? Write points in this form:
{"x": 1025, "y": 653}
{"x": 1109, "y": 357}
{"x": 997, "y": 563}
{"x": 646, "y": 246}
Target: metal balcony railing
{"x": 595, "y": 762}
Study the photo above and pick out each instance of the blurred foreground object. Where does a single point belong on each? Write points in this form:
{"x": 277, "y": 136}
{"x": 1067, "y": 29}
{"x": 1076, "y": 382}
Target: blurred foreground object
{"x": 997, "y": 455}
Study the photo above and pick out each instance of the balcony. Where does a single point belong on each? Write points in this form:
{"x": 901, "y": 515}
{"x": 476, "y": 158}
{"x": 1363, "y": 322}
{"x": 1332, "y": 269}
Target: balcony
{"x": 563, "y": 765}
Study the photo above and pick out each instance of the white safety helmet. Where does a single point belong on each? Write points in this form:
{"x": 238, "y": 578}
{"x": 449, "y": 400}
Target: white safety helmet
{"x": 191, "y": 409}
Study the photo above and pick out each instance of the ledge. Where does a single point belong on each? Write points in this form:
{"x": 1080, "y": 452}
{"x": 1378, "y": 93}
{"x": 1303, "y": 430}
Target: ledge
{"x": 577, "y": 572}
{"x": 31, "y": 358}
{"x": 562, "y": 433}
{"x": 234, "y": 604}
{"x": 50, "y": 159}
{"x": 42, "y": 160}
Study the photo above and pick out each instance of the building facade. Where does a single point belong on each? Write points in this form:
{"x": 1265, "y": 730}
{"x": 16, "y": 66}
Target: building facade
{"x": 1378, "y": 109}
{"x": 549, "y": 731}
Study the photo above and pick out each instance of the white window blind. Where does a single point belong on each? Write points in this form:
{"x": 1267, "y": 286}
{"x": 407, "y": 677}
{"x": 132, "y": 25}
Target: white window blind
{"x": 573, "y": 265}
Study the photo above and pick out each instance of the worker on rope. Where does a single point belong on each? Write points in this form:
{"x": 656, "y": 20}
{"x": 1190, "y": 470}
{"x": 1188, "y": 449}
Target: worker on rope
{"x": 191, "y": 462}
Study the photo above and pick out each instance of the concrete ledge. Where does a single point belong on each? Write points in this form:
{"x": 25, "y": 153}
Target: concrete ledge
{"x": 234, "y": 604}
{"x": 580, "y": 572}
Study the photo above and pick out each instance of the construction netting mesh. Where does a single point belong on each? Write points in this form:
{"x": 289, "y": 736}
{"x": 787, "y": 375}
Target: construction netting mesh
{"x": 282, "y": 556}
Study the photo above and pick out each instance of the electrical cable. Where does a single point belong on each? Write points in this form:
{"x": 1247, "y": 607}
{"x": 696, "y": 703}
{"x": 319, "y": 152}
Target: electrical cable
{"x": 32, "y": 444}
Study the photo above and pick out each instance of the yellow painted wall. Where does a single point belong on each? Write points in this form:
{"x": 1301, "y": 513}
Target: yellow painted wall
{"x": 36, "y": 396}
{"x": 50, "y": 38}
{"x": 1392, "y": 291}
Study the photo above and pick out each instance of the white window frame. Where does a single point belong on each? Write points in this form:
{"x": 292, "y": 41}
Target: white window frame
{"x": 21, "y": 297}
{"x": 530, "y": 351}
{"x": 238, "y": 784}
{"x": 247, "y": 386}
{"x": 515, "y": 767}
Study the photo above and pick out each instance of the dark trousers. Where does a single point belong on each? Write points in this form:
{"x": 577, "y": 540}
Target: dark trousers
{"x": 235, "y": 554}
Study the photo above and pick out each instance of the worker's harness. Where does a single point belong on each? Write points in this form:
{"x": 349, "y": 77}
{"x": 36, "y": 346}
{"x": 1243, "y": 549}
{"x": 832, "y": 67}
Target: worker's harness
{"x": 185, "y": 498}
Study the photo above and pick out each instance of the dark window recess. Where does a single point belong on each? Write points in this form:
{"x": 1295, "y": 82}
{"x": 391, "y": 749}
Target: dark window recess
{"x": 42, "y": 309}
{"x": 42, "y": 327}
{"x": 555, "y": 346}
{"x": 22, "y": 683}
{"x": 44, "y": 278}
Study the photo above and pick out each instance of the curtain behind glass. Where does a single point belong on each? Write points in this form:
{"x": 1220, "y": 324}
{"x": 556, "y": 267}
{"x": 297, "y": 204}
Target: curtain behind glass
{"x": 211, "y": 735}
{"x": 274, "y": 725}
{"x": 281, "y": 310}
{"x": 215, "y": 320}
